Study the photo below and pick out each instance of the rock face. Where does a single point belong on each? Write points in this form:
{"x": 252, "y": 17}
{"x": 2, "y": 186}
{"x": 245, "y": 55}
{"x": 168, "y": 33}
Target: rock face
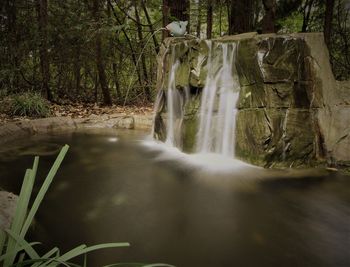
{"x": 291, "y": 111}
{"x": 8, "y": 203}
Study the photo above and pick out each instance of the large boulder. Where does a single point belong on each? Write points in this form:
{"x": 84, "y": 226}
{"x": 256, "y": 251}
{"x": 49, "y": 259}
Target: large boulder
{"x": 291, "y": 110}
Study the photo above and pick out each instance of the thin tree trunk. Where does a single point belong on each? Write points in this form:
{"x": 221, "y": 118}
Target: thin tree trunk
{"x": 77, "y": 68}
{"x": 96, "y": 88}
{"x": 43, "y": 49}
{"x": 155, "y": 42}
{"x": 165, "y": 11}
{"x": 328, "y": 21}
{"x": 12, "y": 42}
{"x": 99, "y": 60}
{"x": 199, "y": 19}
{"x": 220, "y": 18}
{"x": 268, "y": 24}
{"x": 116, "y": 82}
{"x": 143, "y": 60}
{"x": 209, "y": 18}
{"x": 133, "y": 53}
{"x": 240, "y": 16}
{"x": 307, "y": 13}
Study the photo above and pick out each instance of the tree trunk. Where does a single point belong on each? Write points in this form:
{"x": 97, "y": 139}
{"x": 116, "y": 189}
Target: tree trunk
{"x": 99, "y": 59}
{"x": 165, "y": 11}
{"x": 328, "y": 21}
{"x": 133, "y": 53}
{"x": 240, "y": 16}
{"x": 268, "y": 23}
{"x": 155, "y": 42}
{"x": 77, "y": 68}
{"x": 179, "y": 9}
{"x": 12, "y": 43}
{"x": 43, "y": 49}
{"x": 220, "y": 18}
{"x": 199, "y": 19}
{"x": 116, "y": 82}
{"x": 306, "y": 14}
{"x": 209, "y": 18}
{"x": 143, "y": 60}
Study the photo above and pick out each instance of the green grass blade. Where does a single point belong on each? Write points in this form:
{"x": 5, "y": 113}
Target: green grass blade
{"x": 21, "y": 257}
{"x": 72, "y": 253}
{"x": 43, "y": 190}
{"x": 79, "y": 250}
{"x": 158, "y": 265}
{"x": 125, "y": 264}
{"x": 53, "y": 251}
{"x": 20, "y": 214}
{"x": 85, "y": 260}
{"x": 28, "y": 248}
{"x": 35, "y": 168}
{"x": 137, "y": 264}
{"x": 18, "y": 249}
{"x": 2, "y": 241}
{"x": 52, "y": 262}
{"x": 106, "y": 245}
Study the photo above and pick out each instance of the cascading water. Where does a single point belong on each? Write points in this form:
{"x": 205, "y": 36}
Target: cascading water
{"x": 174, "y": 109}
{"x": 217, "y": 114}
{"x": 218, "y": 105}
{"x": 175, "y": 102}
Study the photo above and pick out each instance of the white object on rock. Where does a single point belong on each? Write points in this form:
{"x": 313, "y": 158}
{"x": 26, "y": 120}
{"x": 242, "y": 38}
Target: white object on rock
{"x": 177, "y": 28}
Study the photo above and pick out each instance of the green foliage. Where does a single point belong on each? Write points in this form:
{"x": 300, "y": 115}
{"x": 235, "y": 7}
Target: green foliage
{"x": 28, "y": 104}
{"x": 291, "y": 23}
{"x": 15, "y": 251}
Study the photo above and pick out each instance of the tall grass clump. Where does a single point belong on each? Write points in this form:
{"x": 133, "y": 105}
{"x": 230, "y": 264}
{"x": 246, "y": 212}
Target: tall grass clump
{"x": 15, "y": 251}
{"x": 30, "y": 104}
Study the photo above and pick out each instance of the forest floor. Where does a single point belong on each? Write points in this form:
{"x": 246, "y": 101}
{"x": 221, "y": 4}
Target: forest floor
{"x": 85, "y": 111}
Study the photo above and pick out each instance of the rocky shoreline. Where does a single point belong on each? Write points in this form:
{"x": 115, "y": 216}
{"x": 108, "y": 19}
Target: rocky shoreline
{"x": 22, "y": 128}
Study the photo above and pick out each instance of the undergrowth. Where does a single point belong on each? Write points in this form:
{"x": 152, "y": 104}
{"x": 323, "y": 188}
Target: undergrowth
{"x": 25, "y": 104}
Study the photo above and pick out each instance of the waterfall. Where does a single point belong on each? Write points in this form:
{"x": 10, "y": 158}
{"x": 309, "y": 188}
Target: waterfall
{"x": 175, "y": 103}
{"x": 217, "y": 117}
{"x": 174, "y": 108}
{"x": 217, "y": 112}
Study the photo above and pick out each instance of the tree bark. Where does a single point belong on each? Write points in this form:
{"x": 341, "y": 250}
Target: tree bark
{"x": 268, "y": 23}
{"x": 240, "y": 16}
{"x": 12, "y": 43}
{"x": 328, "y": 21}
{"x": 43, "y": 49}
{"x": 155, "y": 42}
{"x": 179, "y": 9}
{"x": 143, "y": 60}
{"x": 77, "y": 68}
{"x": 307, "y": 13}
{"x": 199, "y": 19}
{"x": 165, "y": 11}
{"x": 209, "y": 18}
{"x": 99, "y": 59}
{"x": 128, "y": 41}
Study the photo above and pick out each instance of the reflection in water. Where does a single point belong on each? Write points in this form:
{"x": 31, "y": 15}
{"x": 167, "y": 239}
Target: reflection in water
{"x": 179, "y": 213}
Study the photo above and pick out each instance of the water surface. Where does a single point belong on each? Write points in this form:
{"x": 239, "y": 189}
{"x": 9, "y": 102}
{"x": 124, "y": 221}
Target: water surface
{"x": 111, "y": 188}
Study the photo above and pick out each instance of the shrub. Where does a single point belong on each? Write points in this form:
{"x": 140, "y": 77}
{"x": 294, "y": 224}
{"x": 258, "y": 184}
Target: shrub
{"x": 29, "y": 104}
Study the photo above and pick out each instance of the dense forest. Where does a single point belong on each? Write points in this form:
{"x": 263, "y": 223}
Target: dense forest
{"x": 104, "y": 51}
